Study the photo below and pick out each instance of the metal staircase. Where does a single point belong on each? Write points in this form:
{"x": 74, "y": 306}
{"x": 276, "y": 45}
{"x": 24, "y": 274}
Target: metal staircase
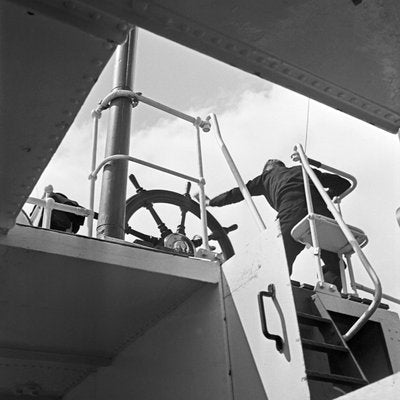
{"x": 332, "y": 370}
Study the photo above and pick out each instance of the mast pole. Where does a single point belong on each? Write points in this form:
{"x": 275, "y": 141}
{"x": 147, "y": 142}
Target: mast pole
{"x": 111, "y": 220}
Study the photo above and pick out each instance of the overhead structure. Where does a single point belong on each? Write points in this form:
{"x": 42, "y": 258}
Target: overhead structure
{"x": 343, "y": 53}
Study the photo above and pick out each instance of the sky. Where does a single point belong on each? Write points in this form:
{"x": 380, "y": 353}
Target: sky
{"x": 259, "y": 120}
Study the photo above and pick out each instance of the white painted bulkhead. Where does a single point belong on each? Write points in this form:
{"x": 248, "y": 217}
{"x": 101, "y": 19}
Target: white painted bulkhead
{"x": 212, "y": 346}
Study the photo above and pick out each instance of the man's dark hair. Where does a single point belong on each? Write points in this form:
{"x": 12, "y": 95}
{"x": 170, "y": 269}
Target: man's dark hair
{"x": 272, "y": 164}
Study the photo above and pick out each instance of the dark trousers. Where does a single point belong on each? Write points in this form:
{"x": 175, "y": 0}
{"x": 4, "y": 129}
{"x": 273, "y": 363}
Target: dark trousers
{"x": 331, "y": 269}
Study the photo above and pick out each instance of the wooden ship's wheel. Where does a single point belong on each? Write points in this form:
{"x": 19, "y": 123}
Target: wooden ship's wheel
{"x": 182, "y": 239}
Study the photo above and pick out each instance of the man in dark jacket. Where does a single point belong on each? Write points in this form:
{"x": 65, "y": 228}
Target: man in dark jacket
{"x": 284, "y": 190}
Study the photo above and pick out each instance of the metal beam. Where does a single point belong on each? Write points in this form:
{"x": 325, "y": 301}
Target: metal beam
{"x": 78, "y": 360}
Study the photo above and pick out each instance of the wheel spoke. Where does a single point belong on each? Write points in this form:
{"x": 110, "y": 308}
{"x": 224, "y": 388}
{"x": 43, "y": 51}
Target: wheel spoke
{"x": 147, "y": 238}
{"x": 181, "y": 227}
{"x": 164, "y": 230}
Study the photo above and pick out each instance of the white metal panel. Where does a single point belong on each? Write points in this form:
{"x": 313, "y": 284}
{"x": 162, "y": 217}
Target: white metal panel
{"x": 339, "y": 53}
{"x": 263, "y": 262}
{"x": 183, "y": 357}
{"x": 51, "y": 55}
{"x": 246, "y": 379}
{"x": 387, "y": 389}
{"x": 69, "y": 304}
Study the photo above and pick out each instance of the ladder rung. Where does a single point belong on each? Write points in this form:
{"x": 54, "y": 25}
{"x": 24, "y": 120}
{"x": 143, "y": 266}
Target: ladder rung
{"x": 310, "y": 319}
{"x": 333, "y": 378}
{"x": 323, "y": 347}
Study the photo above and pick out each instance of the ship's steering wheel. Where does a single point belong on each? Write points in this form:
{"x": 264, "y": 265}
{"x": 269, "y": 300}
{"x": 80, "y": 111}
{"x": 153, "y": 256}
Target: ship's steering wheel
{"x": 179, "y": 210}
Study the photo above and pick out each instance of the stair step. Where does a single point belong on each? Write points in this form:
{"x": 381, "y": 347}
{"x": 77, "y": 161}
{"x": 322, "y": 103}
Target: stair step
{"x": 310, "y": 319}
{"x": 333, "y": 378}
{"x": 323, "y": 347}
{"x": 307, "y": 286}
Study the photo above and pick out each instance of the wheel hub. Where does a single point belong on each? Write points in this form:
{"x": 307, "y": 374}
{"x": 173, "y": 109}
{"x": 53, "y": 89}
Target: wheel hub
{"x": 180, "y": 244}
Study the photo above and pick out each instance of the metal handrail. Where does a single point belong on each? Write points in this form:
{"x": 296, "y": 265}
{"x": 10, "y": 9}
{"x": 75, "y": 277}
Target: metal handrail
{"x": 371, "y": 291}
{"x": 135, "y": 98}
{"x": 49, "y": 204}
{"x": 201, "y": 182}
{"x": 346, "y": 175}
{"x": 354, "y": 244}
{"x": 243, "y": 188}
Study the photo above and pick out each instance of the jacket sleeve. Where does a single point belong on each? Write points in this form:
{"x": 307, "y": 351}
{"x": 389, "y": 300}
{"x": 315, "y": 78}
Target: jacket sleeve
{"x": 335, "y": 184}
{"x": 232, "y": 196}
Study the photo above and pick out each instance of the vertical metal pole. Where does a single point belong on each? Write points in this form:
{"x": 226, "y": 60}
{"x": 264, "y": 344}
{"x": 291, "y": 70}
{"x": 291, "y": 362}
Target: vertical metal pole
{"x": 313, "y": 229}
{"x": 113, "y": 191}
{"x": 203, "y": 211}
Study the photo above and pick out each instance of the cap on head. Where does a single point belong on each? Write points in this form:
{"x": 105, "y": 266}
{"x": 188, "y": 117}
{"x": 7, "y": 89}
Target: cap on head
{"x": 272, "y": 163}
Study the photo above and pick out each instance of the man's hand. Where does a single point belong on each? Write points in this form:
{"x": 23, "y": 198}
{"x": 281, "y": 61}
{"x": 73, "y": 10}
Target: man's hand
{"x": 197, "y": 197}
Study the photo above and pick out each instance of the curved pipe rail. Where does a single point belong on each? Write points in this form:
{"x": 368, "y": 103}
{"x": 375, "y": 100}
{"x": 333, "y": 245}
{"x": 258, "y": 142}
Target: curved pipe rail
{"x": 137, "y": 97}
{"x": 351, "y": 178}
{"x": 243, "y": 188}
{"x": 353, "y": 242}
{"x": 93, "y": 176}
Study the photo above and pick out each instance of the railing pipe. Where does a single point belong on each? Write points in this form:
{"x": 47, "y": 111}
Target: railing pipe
{"x": 346, "y": 175}
{"x": 48, "y": 209}
{"x": 313, "y": 228}
{"x": 200, "y": 182}
{"x": 343, "y": 275}
{"x": 136, "y": 97}
{"x": 371, "y": 291}
{"x": 245, "y": 192}
{"x": 353, "y": 242}
{"x": 96, "y": 115}
{"x": 138, "y": 161}
{"x": 351, "y": 274}
{"x": 37, "y": 210}
{"x": 203, "y": 211}
{"x": 59, "y": 206}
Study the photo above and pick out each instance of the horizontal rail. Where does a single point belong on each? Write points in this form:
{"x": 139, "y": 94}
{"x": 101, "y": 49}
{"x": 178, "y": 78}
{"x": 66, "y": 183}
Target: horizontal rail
{"x": 136, "y": 97}
{"x": 93, "y": 174}
{"x": 59, "y": 206}
{"x": 353, "y": 242}
{"x": 49, "y": 204}
{"x": 371, "y": 291}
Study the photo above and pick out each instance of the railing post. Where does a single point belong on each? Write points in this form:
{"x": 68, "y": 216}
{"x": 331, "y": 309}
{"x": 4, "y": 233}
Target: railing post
{"x": 313, "y": 229}
{"x": 343, "y": 275}
{"x": 351, "y": 274}
{"x": 48, "y": 209}
{"x": 202, "y": 199}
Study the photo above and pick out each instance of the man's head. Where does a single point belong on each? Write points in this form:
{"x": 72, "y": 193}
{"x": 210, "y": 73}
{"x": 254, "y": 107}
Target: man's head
{"x": 270, "y": 164}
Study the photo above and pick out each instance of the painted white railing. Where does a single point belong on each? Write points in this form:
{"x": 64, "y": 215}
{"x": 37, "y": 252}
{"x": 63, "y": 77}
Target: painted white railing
{"x": 198, "y": 123}
{"x": 48, "y": 204}
{"x": 308, "y": 171}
